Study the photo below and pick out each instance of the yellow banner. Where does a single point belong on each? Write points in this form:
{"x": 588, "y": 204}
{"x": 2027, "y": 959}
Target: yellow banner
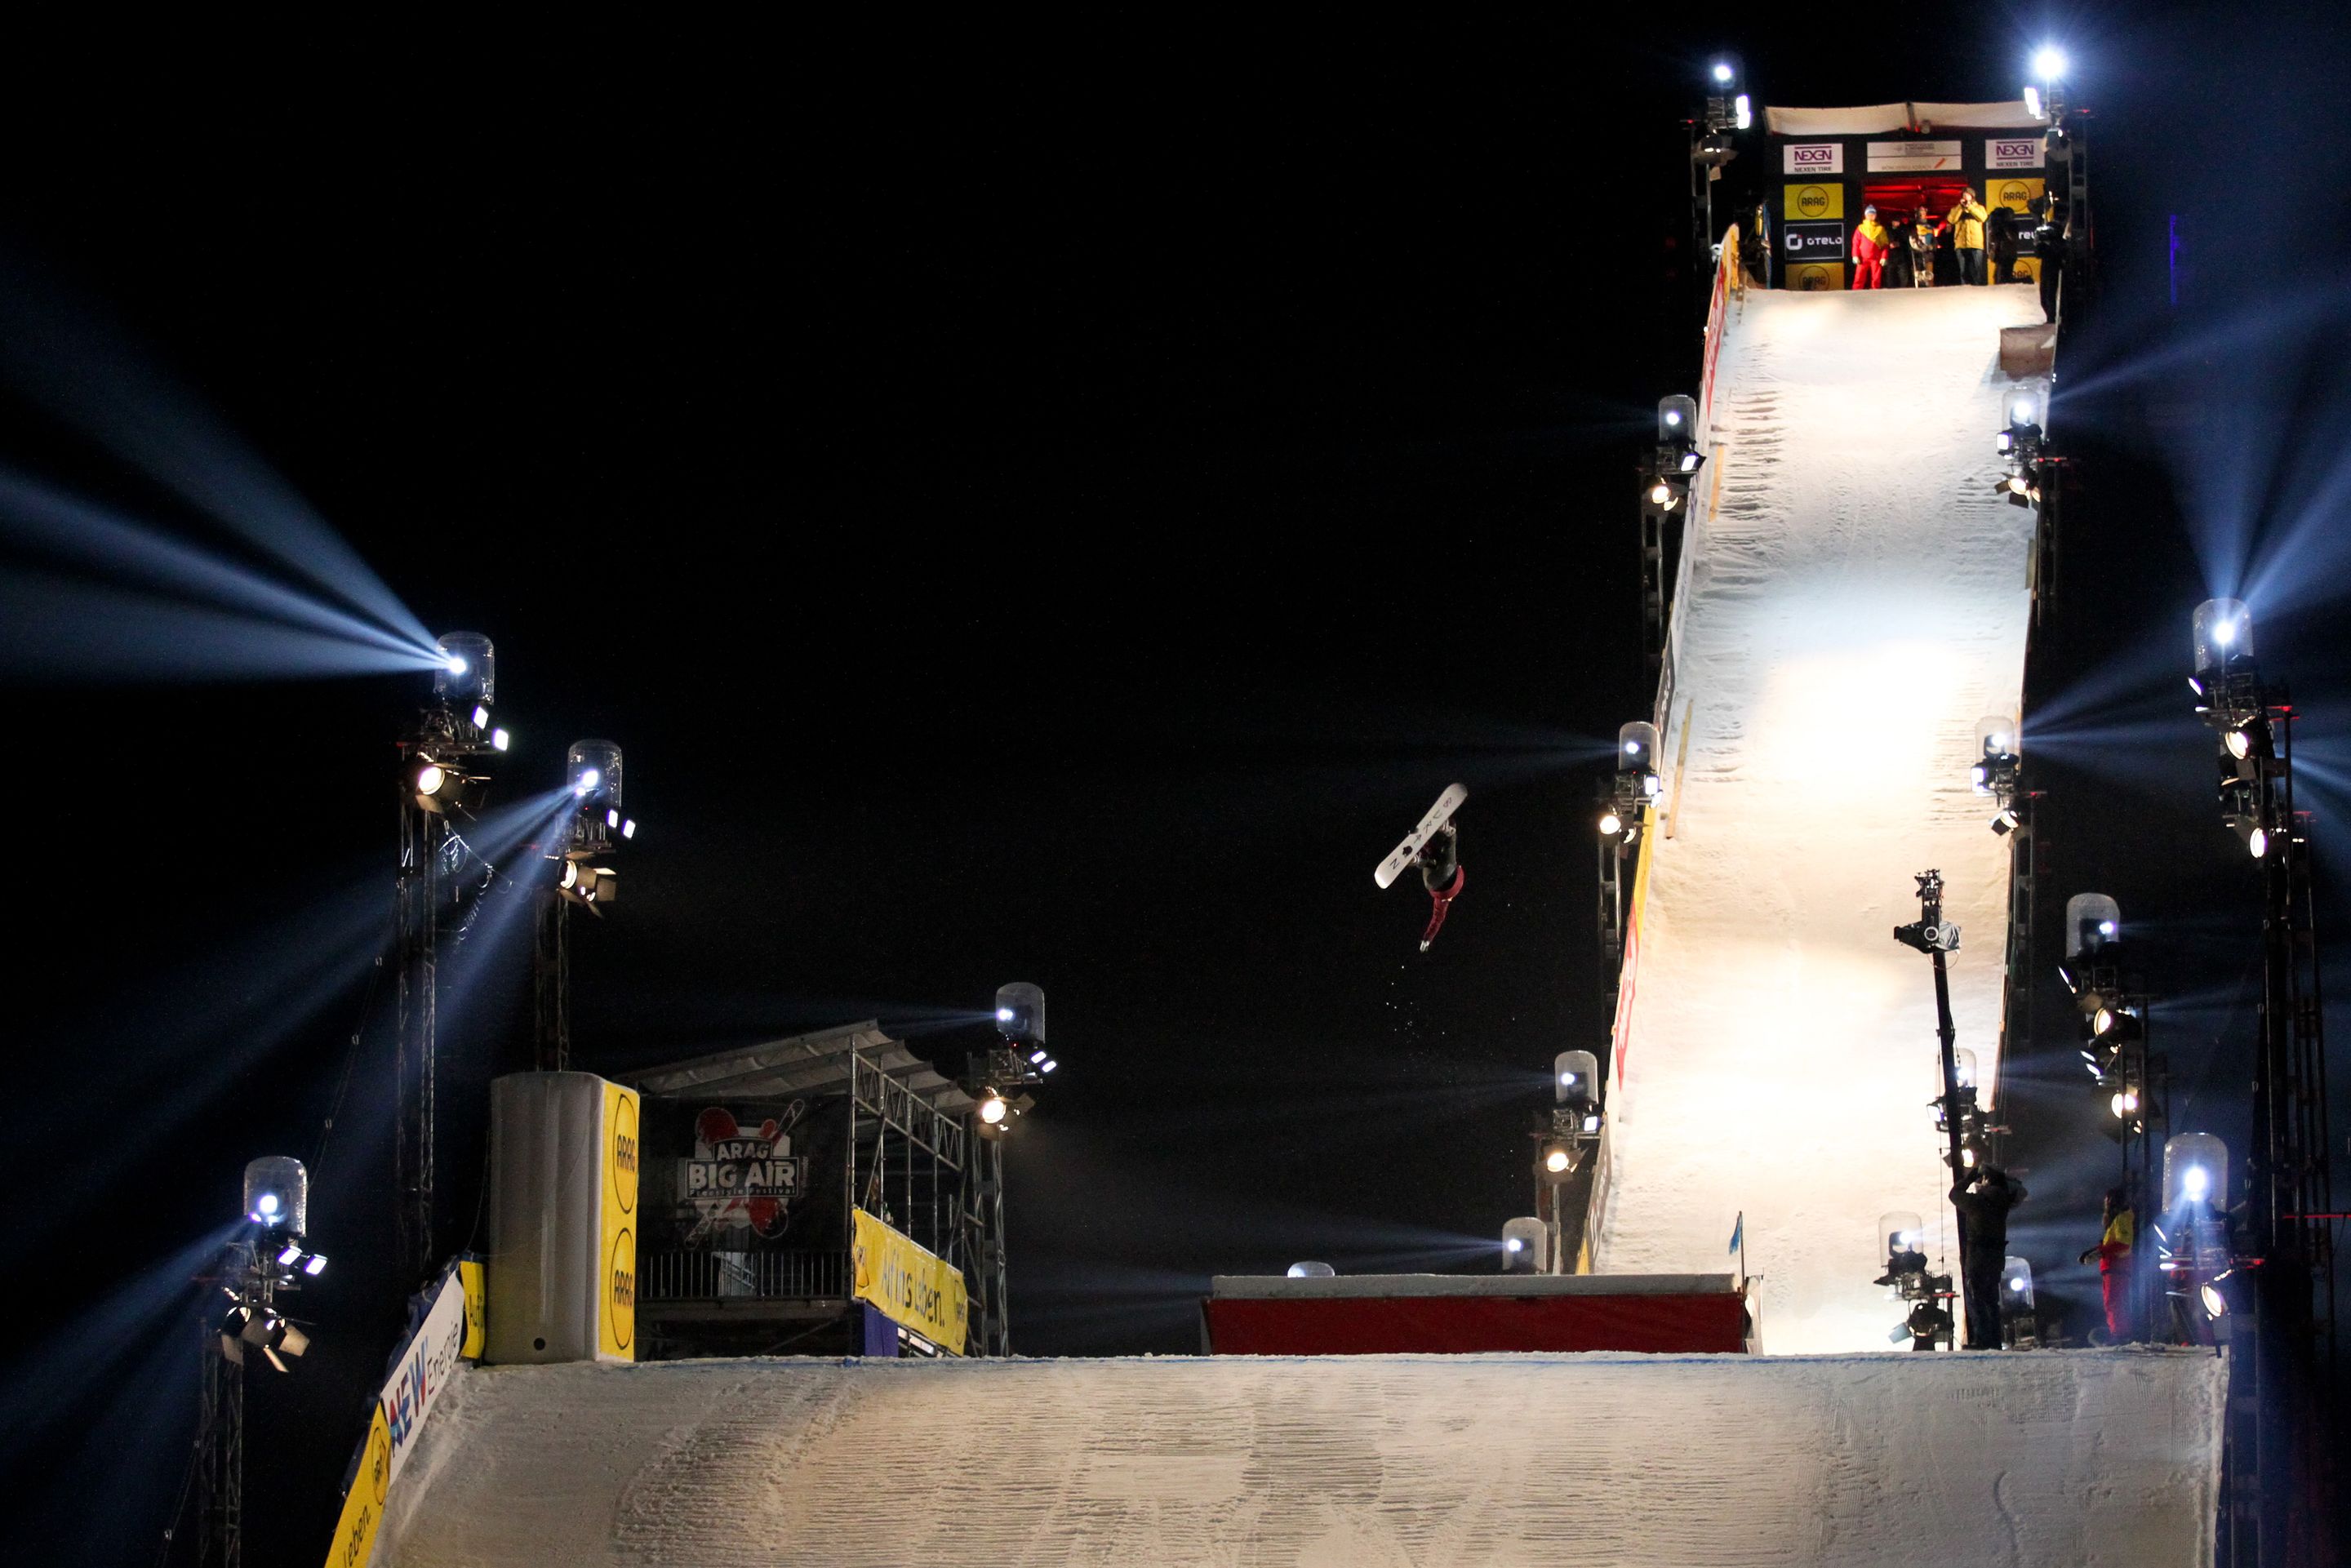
{"x": 1815, "y": 276}
{"x": 2011, "y": 192}
{"x": 475, "y": 1284}
{"x": 912, "y": 1286}
{"x": 1815, "y": 202}
{"x": 362, "y": 1512}
{"x": 616, "y": 1315}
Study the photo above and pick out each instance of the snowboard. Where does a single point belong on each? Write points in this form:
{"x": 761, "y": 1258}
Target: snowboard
{"x": 1438, "y": 815}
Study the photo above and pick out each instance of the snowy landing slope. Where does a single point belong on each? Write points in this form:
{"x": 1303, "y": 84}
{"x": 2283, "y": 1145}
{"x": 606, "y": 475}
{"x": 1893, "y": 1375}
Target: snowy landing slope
{"x": 2089, "y": 1459}
{"x": 1858, "y": 602}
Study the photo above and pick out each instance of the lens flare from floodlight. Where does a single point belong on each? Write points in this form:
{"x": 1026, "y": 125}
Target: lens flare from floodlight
{"x": 2049, "y": 63}
{"x": 992, "y": 1108}
{"x": 1611, "y": 824}
{"x": 1556, "y": 1160}
{"x": 2215, "y": 1304}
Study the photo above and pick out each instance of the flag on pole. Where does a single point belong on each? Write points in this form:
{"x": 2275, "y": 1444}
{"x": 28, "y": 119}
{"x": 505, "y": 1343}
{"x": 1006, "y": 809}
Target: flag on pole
{"x": 1737, "y": 1230}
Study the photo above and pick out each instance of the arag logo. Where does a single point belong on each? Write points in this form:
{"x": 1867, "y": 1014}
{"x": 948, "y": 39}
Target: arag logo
{"x": 2015, "y": 193}
{"x": 624, "y": 1153}
{"x": 621, "y": 1289}
{"x": 1816, "y": 278}
{"x": 1813, "y": 202}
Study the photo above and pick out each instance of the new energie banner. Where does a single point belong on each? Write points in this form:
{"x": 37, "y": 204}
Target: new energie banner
{"x": 911, "y": 1285}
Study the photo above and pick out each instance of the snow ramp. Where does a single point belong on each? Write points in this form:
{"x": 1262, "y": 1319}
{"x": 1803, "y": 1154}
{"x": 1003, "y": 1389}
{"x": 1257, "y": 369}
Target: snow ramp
{"x": 1854, "y": 599}
{"x": 2089, "y": 1459}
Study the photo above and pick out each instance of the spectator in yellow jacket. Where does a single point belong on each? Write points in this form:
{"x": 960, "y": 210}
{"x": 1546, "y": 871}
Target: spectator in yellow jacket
{"x": 1966, "y": 222}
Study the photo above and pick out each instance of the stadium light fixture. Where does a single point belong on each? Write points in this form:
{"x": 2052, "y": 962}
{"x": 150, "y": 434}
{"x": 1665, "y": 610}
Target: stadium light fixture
{"x": 1611, "y": 824}
{"x": 993, "y": 1108}
{"x": 1312, "y": 1272}
{"x": 2049, "y": 64}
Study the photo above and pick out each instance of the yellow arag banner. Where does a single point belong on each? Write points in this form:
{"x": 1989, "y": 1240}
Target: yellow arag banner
{"x": 475, "y": 1284}
{"x": 616, "y": 1313}
{"x": 1816, "y": 277}
{"x": 362, "y": 1512}
{"x": 1816, "y": 202}
{"x": 912, "y": 1286}
{"x": 2014, "y": 193}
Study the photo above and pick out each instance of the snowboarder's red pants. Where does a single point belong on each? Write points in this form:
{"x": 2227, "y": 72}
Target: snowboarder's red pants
{"x": 1866, "y": 274}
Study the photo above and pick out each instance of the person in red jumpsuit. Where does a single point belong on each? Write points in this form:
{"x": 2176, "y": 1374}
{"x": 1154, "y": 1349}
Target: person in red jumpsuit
{"x": 1870, "y": 242}
{"x": 2113, "y": 1253}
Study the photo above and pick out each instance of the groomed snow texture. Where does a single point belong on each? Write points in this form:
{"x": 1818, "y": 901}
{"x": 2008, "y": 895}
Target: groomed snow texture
{"x": 2088, "y": 1459}
{"x": 1858, "y": 602}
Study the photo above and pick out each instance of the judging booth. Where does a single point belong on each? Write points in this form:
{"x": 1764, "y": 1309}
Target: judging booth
{"x": 1832, "y": 164}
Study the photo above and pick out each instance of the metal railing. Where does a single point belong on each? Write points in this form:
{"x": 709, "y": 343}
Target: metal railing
{"x": 701, "y": 1275}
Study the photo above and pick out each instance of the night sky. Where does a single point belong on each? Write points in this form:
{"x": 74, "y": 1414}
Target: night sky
{"x": 1046, "y": 505}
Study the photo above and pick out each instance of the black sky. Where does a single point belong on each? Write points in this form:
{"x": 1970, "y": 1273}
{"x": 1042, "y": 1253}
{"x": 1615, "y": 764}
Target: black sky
{"x": 1045, "y": 504}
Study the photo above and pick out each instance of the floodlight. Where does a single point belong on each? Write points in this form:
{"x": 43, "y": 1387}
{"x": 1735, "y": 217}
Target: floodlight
{"x": 2256, "y": 837}
{"x": 612, "y": 818}
{"x": 1591, "y": 1124}
{"x": 1020, "y": 1012}
{"x": 2195, "y": 1170}
{"x": 594, "y": 770}
{"x": 2020, "y": 413}
{"x": 431, "y": 778}
{"x": 2222, "y": 632}
{"x": 2092, "y": 920}
{"x": 1981, "y": 777}
{"x": 481, "y": 716}
{"x": 993, "y": 1108}
{"x": 1611, "y": 824}
{"x": 1661, "y": 494}
{"x": 315, "y": 1264}
{"x": 1523, "y": 1245}
{"x": 2033, "y": 102}
{"x": 1677, "y": 420}
{"x": 1312, "y": 1272}
{"x": 1048, "y": 1065}
{"x": 278, "y": 1194}
{"x": 1724, "y": 72}
{"x": 2004, "y": 821}
{"x": 2215, "y": 1304}
{"x": 1744, "y": 108}
{"x": 627, "y": 827}
{"x": 1690, "y": 461}
{"x": 467, "y": 673}
{"x": 1963, "y": 1067}
{"x": 1575, "y": 1077}
{"x": 1557, "y": 1158}
{"x": 500, "y": 740}
{"x": 2049, "y": 63}
{"x": 1651, "y": 784}
{"x": 2194, "y": 1182}
{"x": 1036, "y": 1056}
{"x": 571, "y": 876}
{"x": 290, "y": 1256}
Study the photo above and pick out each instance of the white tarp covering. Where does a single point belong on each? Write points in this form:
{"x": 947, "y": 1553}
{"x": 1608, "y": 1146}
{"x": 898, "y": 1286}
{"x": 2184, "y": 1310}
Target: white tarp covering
{"x": 1876, "y": 118}
{"x": 1857, "y": 601}
{"x": 2087, "y": 1459}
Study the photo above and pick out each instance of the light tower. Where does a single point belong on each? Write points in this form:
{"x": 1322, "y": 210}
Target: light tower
{"x": 269, "y": 1258}
{"x": 997, "y": 1080}
{"x": 2276, "y": 1456}
{"x": 453, "y": 736}
{"x": 595, "y": 830}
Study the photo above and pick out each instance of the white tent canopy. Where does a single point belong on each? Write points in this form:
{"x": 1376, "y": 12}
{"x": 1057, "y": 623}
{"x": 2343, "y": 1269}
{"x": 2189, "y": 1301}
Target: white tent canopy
{"x": 1873, "y": 119}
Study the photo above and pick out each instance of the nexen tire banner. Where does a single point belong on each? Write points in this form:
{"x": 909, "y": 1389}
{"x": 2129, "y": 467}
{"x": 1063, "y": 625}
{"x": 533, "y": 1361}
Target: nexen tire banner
{"x": 1809, "y": 158}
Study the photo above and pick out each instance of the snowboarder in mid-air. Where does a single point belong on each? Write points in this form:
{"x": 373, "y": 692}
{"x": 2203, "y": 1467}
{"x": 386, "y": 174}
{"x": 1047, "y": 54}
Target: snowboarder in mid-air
{"x": 1434, "y": 847}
